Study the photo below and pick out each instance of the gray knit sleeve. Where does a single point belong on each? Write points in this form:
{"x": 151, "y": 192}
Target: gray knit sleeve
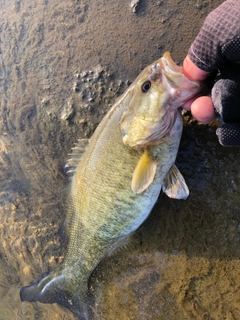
{"x": 218, "y": 41}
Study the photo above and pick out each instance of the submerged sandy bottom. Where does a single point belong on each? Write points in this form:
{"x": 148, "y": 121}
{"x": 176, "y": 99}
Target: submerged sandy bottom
{"x": 62, "y": 65}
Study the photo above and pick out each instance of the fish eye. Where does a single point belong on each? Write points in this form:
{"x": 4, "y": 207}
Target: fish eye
{"x": 146, "y": 86}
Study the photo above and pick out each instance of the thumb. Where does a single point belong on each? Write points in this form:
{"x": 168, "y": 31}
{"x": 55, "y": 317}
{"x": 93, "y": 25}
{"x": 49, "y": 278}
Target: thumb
{"x": 192, "y": 72}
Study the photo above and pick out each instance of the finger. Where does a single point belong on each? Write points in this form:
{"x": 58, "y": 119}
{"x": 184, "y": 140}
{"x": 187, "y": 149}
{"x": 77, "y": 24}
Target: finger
{"x": 188, "y": 103}
{"x": 192, "y": 72}
{"x": 202, "y": 110}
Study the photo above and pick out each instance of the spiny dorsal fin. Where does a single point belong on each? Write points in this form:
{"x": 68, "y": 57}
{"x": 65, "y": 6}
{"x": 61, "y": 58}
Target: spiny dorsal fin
{"x": 144, "y": 173}
{"x": 75, "y": 156}
{"x": 174, "y": 184}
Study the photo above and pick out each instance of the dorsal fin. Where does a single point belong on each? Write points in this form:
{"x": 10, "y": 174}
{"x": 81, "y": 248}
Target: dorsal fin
{"x": 75, "y": 156}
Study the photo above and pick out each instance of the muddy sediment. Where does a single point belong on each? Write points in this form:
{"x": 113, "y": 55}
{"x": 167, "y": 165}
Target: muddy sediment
{"x": 63, "y": 63}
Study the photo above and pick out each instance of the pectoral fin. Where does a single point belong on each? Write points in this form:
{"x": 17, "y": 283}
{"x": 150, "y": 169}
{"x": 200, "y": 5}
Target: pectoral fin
{"x": 174, "y": 184}
{"x": 144, "y": 173}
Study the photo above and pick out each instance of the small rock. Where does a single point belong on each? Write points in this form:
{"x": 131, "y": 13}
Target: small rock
{"x": 134, "y": 5}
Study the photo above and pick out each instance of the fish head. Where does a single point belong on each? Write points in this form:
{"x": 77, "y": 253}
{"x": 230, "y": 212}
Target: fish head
{"x": 152, "y": 102}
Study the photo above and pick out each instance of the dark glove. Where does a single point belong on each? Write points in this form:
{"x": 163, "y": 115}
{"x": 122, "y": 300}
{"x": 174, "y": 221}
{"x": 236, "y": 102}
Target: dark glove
{"x": 217, "y": 47}
{"x": 226, "y": 101}
{"x": 226, "y": 94}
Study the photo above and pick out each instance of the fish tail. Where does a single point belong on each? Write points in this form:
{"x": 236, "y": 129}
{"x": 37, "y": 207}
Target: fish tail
{"x": 51, "y": 288}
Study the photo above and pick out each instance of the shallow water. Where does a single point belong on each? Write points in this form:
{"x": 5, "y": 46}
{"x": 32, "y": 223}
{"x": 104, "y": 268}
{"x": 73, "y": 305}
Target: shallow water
{"x": 62, "y": 65}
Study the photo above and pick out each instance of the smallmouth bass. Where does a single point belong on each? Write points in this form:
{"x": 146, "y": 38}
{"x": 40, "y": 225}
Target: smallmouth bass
{"x": 117, "y": 179}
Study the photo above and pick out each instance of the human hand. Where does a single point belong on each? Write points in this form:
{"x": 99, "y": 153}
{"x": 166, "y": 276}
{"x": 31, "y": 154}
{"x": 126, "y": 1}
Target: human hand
{"x": 201, "y": 107}
{"x": 217, "y": 47}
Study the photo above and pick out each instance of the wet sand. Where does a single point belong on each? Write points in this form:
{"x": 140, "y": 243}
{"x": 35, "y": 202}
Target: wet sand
{"x": 63, "y": 63}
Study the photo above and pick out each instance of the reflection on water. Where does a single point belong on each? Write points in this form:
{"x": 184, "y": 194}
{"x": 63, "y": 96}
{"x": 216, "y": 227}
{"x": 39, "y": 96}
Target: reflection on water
{"x": 183, "y": 263}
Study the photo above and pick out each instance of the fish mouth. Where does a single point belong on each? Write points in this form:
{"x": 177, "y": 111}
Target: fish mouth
{"x": 175, "y": 82}
{"x": 171, "y": 72}
{"x": 169, "y": 64}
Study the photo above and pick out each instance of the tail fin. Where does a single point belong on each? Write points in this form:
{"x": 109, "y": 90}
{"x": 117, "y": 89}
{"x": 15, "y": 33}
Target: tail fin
{"x": 49, "y": 288}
